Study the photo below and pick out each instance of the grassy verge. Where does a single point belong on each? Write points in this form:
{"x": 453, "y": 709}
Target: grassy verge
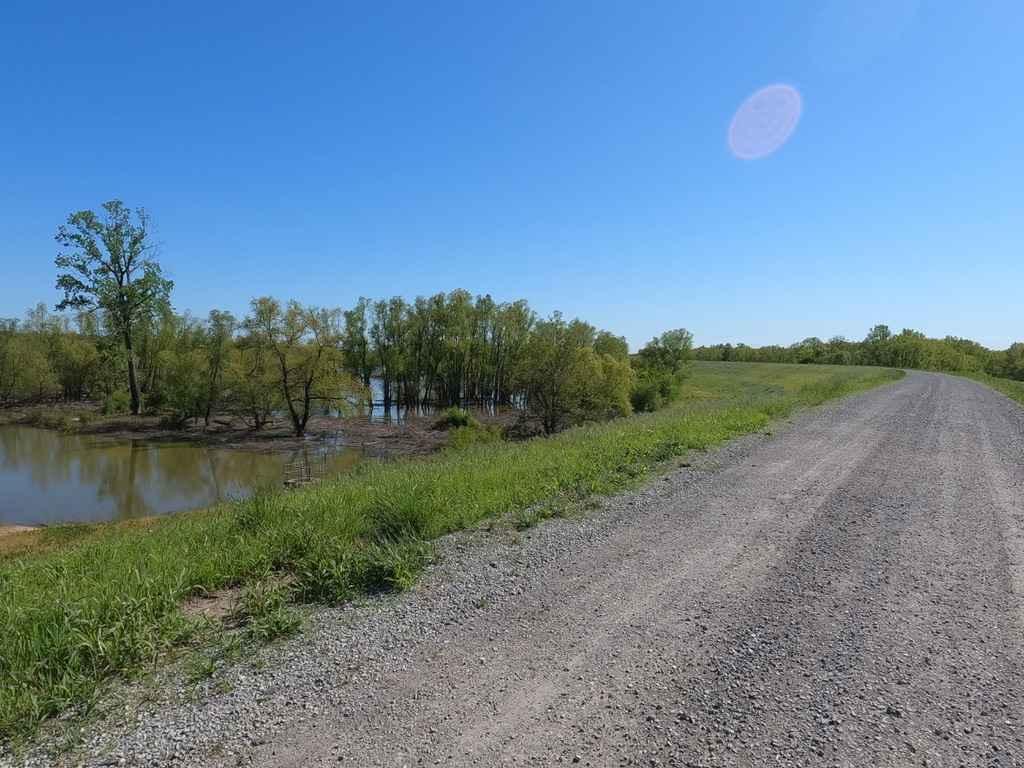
{"x": 1009, "y": 387}
{"x": 108, "y": 601}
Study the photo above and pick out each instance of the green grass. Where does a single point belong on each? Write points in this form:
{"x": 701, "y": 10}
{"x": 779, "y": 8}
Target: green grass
{"x": 1009, "y": 387}
{"x": 108, "y": 603}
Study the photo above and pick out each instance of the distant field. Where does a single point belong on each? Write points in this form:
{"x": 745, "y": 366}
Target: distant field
{"x": 81, "y": 604}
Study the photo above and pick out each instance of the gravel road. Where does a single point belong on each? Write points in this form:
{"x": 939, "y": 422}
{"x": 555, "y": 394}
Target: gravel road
{"x": 847, "y": 591}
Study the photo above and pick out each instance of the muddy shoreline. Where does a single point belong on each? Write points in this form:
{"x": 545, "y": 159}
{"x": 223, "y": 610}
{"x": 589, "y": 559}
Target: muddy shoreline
{"x": 413, "y": 436}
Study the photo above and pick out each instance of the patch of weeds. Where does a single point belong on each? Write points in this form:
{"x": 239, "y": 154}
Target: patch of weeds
{"x": 476, "y": 434}
{"x": 532, "y": 516}
{"x": 401, "y": 512}
{"x": 199, "y": 666}
{"x": 264, "y": 610}
{"x": 60, "y": 535}
{"x": 452, "y": 418}
{"x": 392, "y": 566}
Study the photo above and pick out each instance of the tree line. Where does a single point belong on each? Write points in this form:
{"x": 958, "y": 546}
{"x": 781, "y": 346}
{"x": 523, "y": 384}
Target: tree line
{"x": 115, "y": 338}
{"x": 906, "y": 349}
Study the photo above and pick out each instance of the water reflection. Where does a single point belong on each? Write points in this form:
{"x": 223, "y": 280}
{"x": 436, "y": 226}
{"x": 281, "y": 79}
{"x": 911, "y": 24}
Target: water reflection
{"x": 375, "y": 411}
{"x": 48, "y": 477}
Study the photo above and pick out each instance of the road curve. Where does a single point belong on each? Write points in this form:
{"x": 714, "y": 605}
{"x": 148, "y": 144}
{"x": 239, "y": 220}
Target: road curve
{"x": 849, "y": 591}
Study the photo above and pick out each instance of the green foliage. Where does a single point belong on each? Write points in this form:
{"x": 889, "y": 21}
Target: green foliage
{"x": 107, "y": 263}
{"x": 599, "y": 387}
{"x": 304, "y": 345}
{"x": 1008, "y": 364}
{"x": 25, "y": 371}
{"x": 355, "y": 344}
{"x": 654, "y": 390}
{"x": 108, "y": 602}
{"x": 251, "y": 384}
{"x": 667, "y": 353}
{"x": 881, "y": 347}
{"x": 1012, "y": 388}
{"x": 185, "y": 391}
{"x": 116, "y": 403}
{"x": 606, "y": 343}
{"x": 566, "y": 381}
{"x": 474, "y": 434}
{"x": 660, "y": 369}
{"x": 453, "y": 417}
{"x": 265, "y": 612}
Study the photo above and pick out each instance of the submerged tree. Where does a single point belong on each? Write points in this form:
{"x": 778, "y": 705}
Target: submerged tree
{"x": 305, "y": 344}
{"x": 355, "y": 343}
{"x": 107, "y": 263}
{"x": 217, "y": 343}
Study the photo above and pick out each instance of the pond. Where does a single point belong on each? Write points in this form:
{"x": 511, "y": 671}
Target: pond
{"x": 49, "y": 477}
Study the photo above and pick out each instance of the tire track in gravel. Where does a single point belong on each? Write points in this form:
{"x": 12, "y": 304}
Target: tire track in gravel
{"x": 842, "y": 598}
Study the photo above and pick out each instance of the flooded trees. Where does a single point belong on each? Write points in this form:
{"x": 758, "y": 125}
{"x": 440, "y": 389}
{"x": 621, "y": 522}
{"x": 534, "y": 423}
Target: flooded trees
{"x": 304, "y": 345}
{"x": 387, "y": 334}
{"x": 355, "y": 343}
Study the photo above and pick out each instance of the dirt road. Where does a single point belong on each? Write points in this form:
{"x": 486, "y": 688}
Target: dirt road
{"x": 849, "y": 591}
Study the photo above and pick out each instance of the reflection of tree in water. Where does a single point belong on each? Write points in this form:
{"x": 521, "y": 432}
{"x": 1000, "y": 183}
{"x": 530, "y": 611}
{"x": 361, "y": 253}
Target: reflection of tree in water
{"x": 319, "y": 461}
{"x": 134, "y": 479}
{"x": 40, "y": 452}
{"x": 217, "y": 474}
{"x": 235, "y": 473}
{"x": 118, "y": 476}
{"x": 153, "y": 479}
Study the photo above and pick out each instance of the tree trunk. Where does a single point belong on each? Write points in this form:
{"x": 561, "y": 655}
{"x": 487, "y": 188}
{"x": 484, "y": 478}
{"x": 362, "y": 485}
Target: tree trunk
{"x": 133, "y": 382}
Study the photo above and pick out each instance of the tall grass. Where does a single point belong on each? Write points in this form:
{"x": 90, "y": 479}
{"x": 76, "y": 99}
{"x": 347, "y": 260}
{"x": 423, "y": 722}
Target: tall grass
{"x": 1010, "y": 387}
{"x": 106, "y": 603}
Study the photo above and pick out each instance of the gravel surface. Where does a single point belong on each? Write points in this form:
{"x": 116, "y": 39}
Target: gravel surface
{"x": 848, "y": 591}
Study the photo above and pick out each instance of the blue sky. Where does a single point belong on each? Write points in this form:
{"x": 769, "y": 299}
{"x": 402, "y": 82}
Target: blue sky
{"x": 573, "y": 154}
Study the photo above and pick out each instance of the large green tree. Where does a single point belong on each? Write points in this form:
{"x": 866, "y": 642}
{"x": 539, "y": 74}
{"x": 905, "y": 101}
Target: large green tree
{"x": 305, "y": 345}
{"x": 107, "y": 262}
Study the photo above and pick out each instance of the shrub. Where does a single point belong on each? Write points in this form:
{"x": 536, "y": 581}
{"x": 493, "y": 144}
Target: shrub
{"x": 474, "y": 434}
{"x": 655, "y": 389}
{"x": 117, "y": 402}
{"x": 452, "y": 418}
{"x": 646, "y": 397}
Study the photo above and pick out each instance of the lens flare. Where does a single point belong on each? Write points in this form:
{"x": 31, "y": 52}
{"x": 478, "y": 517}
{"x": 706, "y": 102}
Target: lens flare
{"x": 765, "y": 121}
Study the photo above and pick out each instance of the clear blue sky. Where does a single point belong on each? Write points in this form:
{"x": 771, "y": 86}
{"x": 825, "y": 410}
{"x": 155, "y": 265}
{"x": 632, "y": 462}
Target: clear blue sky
{"x": 573, "y": 154}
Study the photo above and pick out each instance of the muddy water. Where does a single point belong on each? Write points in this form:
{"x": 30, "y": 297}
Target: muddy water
{"x": 47, "y": 477}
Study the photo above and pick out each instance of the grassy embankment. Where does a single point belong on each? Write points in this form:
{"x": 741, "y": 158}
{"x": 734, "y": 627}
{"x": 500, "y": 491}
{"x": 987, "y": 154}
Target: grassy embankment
{"x": 82, "y": 604}
{"x": 1009, "y": 387}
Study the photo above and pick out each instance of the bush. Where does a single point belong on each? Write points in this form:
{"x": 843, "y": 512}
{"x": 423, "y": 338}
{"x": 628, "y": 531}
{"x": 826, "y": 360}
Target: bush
{"x": 452, "y": 418}
{"x": 655, "y": 389}
{"x": 568, "y": 380}
{"x": 474, "y": 434}
{"x": 646, "y": 397}
{"x": 117, "y": 402}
